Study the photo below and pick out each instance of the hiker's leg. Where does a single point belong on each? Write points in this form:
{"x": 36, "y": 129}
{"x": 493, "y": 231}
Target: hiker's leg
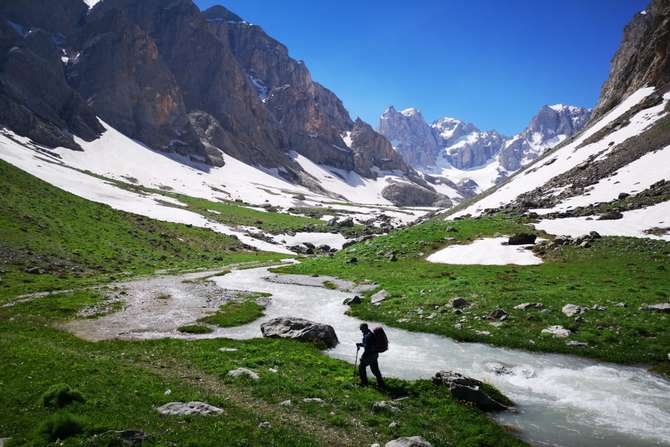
{"x": 374, "y": 367}
{"x": 362, "y": 374}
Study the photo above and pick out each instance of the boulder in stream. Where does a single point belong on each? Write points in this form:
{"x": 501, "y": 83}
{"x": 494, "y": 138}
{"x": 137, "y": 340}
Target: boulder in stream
{"x": 468, "y": 389}
{"x": 300, "y": 329}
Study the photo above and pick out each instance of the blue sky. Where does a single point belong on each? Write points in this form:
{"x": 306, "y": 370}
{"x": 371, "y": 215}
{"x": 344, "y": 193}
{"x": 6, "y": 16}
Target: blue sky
{"x": 490, "y": 62}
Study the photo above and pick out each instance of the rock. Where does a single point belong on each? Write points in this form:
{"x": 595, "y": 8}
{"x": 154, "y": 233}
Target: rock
{"x": 317, "y": 400}
{"x": 285, "y": 403}
{"x": 570, "y": 310}
{"x": 243, "y": 372}
{"x": 378, "y": 297}
{"x": 621, "y": 304}
{"x": 585, "y": 244}
{"x": 576, "y": 344}
{"x": 557, "y": 331}
{"x": 264, "y": 425}
{"x": 522, "y": 239}
{"x": 594, "y": 235}
{"x": 412, "y": 441}
{"x": 467, "y": 389}
{"x": 661, "y": 307}
{"x": 599, "y": 308}
{"x": 611, "y": 215}
{"x": 459, "y": 303}
{"x": 393, "y": 424}
{"x": 483, "y": 333}
{"x": 300, "y": 329}
{"x": 3, "y": 441}
{"x": 498, "y": 314}
{"x": 188, "y": 408}
{"x": 353, "y": 300}
{"x": 526, "y": 306}
{"x": 384, "y": 406}
{"x": 125, "y": 438}
{"x": 228, "y": 349}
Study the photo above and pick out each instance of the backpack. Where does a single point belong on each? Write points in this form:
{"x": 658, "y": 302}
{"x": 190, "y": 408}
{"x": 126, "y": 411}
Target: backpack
{"x": 381, "y": 341}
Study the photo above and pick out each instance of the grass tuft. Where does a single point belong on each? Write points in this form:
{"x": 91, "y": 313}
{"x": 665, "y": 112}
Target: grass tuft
{"x": 61, "y": 395}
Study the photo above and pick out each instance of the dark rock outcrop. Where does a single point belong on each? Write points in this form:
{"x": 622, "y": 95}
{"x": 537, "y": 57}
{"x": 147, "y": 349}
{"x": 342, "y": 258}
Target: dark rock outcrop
{"x": 300, "y": 329}
{"x": 35, "y": 99}
{"x": 643, "y": 58}
{"x": 467, "y": 389}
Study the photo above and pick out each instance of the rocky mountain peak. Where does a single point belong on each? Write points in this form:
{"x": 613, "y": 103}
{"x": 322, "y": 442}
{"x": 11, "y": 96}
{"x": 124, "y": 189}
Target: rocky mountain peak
{"x": 410, "y": 135}
{"x": 643, "y": 58}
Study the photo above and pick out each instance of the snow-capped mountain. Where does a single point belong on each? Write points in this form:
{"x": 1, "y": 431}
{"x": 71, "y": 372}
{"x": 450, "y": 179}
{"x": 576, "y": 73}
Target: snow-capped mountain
{"x": 205, "y": 85}
{"x": 614, "y": 176}
{"x": 463, "y": 153}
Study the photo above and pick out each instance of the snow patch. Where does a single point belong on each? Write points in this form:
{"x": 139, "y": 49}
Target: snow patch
{"x": 489, "y": 251}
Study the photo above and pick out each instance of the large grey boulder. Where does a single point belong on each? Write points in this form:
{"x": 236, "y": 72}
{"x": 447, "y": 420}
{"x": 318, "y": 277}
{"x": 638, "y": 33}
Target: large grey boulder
{"x": 467, "y": 389}
{"x": 557, "y": 331}
{"x": 412, "y": 441}
{"x": 300, "y": 329}
{"x": 188, "y": 408}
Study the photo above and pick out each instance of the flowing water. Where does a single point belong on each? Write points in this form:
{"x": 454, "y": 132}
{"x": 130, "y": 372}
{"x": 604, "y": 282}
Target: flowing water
{"x": 562, "y": 400}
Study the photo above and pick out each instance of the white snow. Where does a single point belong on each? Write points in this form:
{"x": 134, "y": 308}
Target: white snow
{"x": 569, "y": 156}
{"x": 489, "y": 251}
{"x": 632, "y": 178}
{"x": 334, "y": 240}
{"x": 632, "y": 224}
{"x": 91, "y": 3}
{"x": 97, "y": 190}
{"x": 485, "y": 176}
{"x": 346, "y": 137}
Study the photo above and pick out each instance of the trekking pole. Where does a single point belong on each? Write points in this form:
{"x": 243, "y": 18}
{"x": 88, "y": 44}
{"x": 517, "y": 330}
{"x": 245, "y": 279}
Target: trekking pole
{"x": 356, "y": 362}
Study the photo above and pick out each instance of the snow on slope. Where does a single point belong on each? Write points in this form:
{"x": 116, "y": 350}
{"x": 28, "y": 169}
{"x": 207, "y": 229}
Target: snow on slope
{"x": 634, "y": 223}
{"x": 569, "y": 156}
{"x": 97, "y": 190}
{"x": 485, "y": 176}
{"x": 490, "y": 251}
{"x": 632, "y": 178}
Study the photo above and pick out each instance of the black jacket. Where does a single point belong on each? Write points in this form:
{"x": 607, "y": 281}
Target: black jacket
{"x": 368, "y": 343}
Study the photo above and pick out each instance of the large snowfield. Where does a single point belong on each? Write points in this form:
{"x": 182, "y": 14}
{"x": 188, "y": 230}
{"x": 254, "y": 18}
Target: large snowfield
{"x": 115, "y": 156}
{"x": 490, "y": 251}
{"x": 630, "y": 179}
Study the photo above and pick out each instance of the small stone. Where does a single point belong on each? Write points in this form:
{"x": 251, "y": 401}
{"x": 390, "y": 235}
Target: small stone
{"x": 570, "y": 310}
{"x": 576, "y": 344}
{"x": 498, "y": 314}
{"x": 313, "y": 399}
{"x": 243, "y": 372}
{"x": 526, "y": 306}
{"x": 483, "y": 333}
{"x": 353, "y": 300}
{"x": 622, "y": 304}
{"x": 384, "y": 406}
{"x": 459, "y": 303}
{"x": 285, "y": 403}
{"x": 167, "y": 392}
{"x": 412, "y": 441}
{"x": 378, "y": 297}
{"x": 599, "y": 308}
{"x": 188, "y": 408}
{"x": 273, "y": 370}
{"x": 660, "y": 307}
{"x": 393, "y": 424}
{"x": 557, "y": 331}
{"x": 264, "y": 425}
{"x": 228, "y": 349}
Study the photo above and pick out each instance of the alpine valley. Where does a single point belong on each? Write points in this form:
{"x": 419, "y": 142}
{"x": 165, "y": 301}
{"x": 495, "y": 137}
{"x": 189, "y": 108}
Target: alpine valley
{"x": 192, "y": 231}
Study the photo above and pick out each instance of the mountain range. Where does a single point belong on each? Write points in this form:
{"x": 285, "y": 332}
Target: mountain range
{"x": 461, "y": 152}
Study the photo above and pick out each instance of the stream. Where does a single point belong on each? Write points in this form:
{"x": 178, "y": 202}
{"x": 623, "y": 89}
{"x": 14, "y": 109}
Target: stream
{"x": 562, "y": 400}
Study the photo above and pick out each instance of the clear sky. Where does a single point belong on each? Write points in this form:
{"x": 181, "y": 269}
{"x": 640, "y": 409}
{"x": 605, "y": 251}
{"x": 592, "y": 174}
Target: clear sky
{"x": 490, "y": 62}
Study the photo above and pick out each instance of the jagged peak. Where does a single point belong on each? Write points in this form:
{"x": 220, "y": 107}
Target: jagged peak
{"x": 567, "y": 107}
{"x": 218, "y": 12}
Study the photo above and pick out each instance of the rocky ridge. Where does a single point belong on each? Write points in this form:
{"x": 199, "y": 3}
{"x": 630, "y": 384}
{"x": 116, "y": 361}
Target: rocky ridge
{"x": 198, "y": 84}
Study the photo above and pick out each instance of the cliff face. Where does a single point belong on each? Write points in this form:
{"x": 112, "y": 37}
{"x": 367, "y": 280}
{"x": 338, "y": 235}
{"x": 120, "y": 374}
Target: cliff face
{"x": 200, "y": 84}
{"x": 643, "y": 58}
{"x": 410, "y": 135}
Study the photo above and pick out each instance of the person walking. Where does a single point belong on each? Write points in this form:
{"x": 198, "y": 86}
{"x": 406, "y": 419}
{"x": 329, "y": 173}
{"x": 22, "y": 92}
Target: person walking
{"x": 369, "y": 358}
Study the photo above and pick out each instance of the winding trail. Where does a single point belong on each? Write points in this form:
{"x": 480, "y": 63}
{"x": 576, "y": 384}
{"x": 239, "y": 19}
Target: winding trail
{"x": 563, "y": 400}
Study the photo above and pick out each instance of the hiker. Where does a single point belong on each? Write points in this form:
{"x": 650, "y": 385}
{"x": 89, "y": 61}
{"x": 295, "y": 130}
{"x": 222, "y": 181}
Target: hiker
{"x": 369, "y": 357}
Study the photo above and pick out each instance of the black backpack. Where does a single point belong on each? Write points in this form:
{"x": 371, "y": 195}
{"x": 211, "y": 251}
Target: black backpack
{"x": 381, "y": 340}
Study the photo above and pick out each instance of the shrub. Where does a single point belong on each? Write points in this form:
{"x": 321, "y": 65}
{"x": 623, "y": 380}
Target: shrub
{"x": 61, "y": 426}
{"x": 61, "y": 395}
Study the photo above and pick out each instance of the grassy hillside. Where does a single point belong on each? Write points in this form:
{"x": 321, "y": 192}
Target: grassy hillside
{"x": 611, "y": 271}
{"x": 53, "y": 240}
{"x": 50, "y": 239}
{"x": 123, "y": 382}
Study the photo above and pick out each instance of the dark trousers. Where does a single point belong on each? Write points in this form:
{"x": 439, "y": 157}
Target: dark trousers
{"x": 371, "y": 361}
